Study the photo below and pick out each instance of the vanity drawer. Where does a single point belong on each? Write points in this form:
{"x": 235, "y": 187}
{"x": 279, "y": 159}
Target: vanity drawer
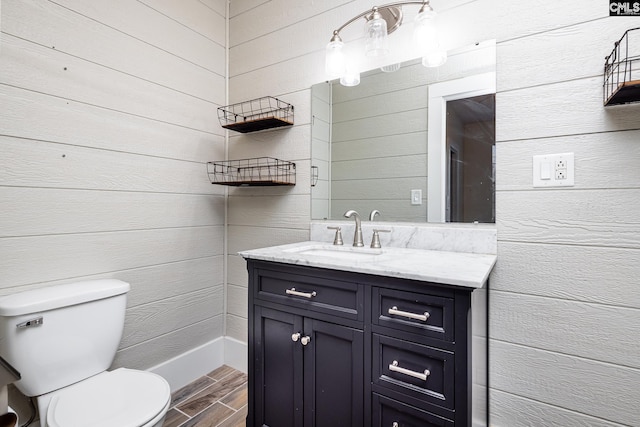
{"x": 424, "y": 314}
{"x": 391, "y": 413}
{"x": 335, "y": 297}
{"x": 422, "y": 372}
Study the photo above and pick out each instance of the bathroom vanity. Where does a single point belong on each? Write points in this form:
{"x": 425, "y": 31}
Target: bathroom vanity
{"x": 344, "y": 336}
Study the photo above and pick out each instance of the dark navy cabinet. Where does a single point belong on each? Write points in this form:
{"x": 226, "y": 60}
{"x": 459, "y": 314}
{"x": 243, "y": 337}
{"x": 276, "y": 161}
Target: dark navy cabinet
{"x": 332, "y": 348}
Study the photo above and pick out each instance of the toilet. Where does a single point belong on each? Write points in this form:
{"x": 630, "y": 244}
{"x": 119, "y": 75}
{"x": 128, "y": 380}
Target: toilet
{"x": 62, "y": 339}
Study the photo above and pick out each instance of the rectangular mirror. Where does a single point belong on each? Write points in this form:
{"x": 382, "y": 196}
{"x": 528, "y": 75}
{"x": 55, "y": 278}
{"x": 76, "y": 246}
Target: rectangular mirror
{"x": 417, "y": 144}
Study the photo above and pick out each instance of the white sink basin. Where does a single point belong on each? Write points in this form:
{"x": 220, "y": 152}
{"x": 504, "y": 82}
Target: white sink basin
{"x": 346, "y": 253}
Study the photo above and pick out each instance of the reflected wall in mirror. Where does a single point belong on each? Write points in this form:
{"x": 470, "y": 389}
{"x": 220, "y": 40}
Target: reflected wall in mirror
{"x": 416, "y": 144}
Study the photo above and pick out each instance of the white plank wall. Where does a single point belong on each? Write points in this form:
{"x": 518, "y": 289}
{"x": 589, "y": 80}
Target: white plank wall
{"x": 107, "y": 118}
{"x": 321, "y": 149}
{"x": 364, "y": 175}
{"x": 564, "y": 306}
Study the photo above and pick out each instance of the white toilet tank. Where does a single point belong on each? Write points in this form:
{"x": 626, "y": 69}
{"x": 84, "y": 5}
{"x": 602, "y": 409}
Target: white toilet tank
{"x": 58, "y": 335}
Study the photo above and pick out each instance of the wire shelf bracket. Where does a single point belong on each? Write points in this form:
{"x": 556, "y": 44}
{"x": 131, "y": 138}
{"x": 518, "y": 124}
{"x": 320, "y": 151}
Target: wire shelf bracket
{"x": 258, "y": 114}
{"x": 622, "y": 70}
{"x": 259, "y": 171}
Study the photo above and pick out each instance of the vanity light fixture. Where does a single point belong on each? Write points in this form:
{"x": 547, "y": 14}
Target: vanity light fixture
{"x": 380, "y": 22}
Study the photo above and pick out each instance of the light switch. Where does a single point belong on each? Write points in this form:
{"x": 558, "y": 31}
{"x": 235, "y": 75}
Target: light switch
{"x": 416, "y": 197}
{"x": 545, "y": 170}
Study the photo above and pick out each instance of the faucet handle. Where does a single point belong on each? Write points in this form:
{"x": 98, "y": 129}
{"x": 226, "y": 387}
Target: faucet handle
{"x": 375, "y": 240}
{"x": 338, "y": 239}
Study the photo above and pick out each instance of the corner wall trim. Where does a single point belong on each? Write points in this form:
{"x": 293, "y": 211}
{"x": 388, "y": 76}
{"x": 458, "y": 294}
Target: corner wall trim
{"x": 235, "y": 354}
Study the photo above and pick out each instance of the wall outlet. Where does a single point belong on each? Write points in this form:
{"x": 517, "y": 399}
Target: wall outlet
{"x": 553, "y": 170}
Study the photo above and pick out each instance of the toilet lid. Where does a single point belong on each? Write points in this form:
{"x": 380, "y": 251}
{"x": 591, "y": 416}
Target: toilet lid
{"x": 123, "y": 398}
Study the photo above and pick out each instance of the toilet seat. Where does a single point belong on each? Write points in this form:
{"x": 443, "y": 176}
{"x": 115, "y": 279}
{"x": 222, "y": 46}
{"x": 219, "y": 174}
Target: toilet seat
{"x": 123, "y": 398}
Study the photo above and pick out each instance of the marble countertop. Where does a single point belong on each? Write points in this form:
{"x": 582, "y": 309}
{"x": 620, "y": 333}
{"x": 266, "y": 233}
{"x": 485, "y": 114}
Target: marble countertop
{"x": 469, "y": 270}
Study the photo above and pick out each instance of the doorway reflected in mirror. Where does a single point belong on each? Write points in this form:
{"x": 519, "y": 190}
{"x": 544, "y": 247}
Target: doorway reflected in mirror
{"x": 471, "y": 160}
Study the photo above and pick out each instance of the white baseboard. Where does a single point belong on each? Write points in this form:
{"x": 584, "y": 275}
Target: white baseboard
{"x": 191, "y": 365}
{"x": 235, "y": 354}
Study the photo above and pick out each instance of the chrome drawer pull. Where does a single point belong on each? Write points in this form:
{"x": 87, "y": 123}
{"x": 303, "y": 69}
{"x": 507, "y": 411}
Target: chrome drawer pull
{"x": 423, "y": 317}
{"x": 293, "y": 291}
{"x": 421, "y": 376}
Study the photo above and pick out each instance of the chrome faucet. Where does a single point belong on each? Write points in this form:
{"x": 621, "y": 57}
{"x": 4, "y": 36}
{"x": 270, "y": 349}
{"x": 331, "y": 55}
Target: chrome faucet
{"x": 357, "y": 236}
{"x": 373, "y": 214}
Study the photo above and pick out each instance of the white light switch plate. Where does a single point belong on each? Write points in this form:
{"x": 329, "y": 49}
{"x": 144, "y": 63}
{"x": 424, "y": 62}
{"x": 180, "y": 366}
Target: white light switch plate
{"x": 416, "y": 197}
{"x": 553, "y": 170}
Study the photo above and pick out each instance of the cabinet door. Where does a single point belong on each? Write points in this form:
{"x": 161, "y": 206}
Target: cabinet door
{"x": 333, "y": 375}
{"x": 278, "y": 371}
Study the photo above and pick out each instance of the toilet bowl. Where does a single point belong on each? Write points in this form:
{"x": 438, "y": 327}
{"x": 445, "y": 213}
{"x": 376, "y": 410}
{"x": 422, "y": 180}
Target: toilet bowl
{"x": 123, "y": 398}
{"x": 62, "y": 339}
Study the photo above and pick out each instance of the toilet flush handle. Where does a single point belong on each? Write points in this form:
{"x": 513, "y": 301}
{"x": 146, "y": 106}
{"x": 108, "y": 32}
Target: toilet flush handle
{"x": 33, "y": 322}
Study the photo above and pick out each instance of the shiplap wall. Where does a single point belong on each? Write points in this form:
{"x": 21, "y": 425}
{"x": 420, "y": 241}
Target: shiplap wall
{"x": 564, "y": 306}
{"x": 379, "y": 144}
{"x": 564, "y": 301}
{"x": 321, "y": 150}
{"x": 107, "y": 118}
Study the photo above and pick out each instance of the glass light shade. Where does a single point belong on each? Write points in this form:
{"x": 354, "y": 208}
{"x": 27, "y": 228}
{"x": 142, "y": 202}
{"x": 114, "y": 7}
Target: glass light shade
{"x": 427, "y": 40}
{"x": 350, "y": 78}
{"x": 335, "y": 60}
{"x": 425, "y": 31}
{"x": 376, "y": 43}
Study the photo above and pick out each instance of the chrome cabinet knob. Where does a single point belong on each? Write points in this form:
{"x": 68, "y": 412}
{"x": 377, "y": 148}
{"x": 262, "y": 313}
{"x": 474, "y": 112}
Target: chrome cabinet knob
{"x": 305, "y": 340}
{"x": 295, "y": 337}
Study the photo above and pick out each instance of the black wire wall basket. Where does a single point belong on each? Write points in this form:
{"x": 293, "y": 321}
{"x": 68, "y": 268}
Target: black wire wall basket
{"x": 622, "y": 70}
{"x": 259, "y": 171}
{"x": 258, "y": 114}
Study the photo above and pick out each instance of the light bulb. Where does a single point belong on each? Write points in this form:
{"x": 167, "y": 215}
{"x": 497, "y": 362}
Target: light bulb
{"x": 351, "y": 77}
{"x": 426, "y": 38}
{"x": 425, "y": 31}
{"x": 376, "y": 43}
{"x": 335, "y": 61}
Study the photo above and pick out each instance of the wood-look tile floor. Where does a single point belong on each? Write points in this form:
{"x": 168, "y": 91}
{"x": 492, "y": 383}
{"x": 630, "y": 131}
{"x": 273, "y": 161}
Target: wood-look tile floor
{"x": 218, "y": 399}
